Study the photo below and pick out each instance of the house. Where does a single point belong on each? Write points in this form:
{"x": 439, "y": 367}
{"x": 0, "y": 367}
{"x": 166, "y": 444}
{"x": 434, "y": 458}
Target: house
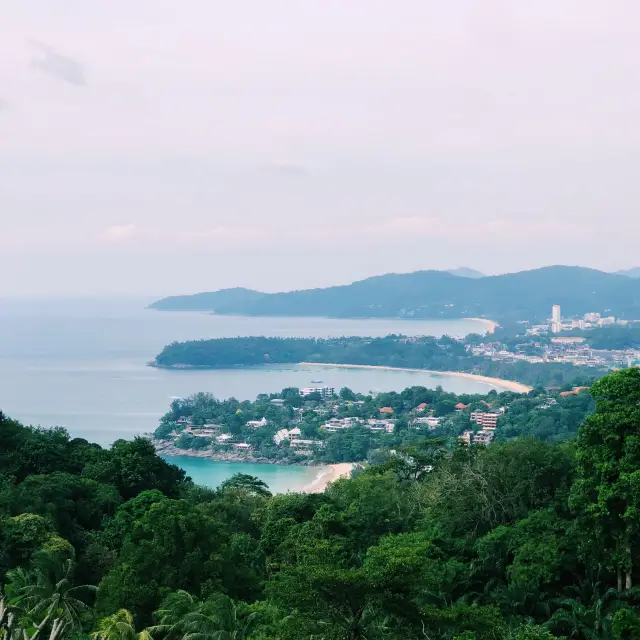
{"x": 243, "y": 446}
{"x": 380, "y": 425}
{"x": 201, "y": 432}
{"x": 278, "y": 402}
{"x": 386, "y": 410}
{"x": 461, "y": 407}
{"x": 337, "y": 424}
{"x": 429, "y": 421}
{"x": 421, "y": 407}
{"x": 283, "y": 434}
{"x": 224, "y": 438}
{"x": 256, "y": 424}
{"x": 483, "y": 436}
{"x": 295, "y": 432}
{"x": 310, "y": 443}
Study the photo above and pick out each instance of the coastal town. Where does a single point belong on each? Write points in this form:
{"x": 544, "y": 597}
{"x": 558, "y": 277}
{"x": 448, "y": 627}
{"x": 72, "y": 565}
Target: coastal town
{"x": 554, "y": 342}
{"x": 322, "y": 425}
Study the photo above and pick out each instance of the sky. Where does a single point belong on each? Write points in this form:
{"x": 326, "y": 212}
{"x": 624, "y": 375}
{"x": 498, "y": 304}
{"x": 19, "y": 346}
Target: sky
{"x": 154, "y": 147}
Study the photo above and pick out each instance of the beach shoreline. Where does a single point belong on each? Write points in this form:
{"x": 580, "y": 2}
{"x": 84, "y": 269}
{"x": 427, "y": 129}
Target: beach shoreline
{"x": 500, "y": 383}
{"x": 490, "y": 324}
{"x": 328, "y": 474}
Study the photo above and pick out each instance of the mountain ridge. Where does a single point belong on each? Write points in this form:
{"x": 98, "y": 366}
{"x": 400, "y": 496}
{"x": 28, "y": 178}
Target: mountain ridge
{"x": 524, "y": 295}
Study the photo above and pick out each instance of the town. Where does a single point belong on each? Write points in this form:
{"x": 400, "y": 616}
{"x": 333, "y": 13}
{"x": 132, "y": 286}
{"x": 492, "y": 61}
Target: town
{"x": 319, "y": 424}
{"x": 553, "y": 342}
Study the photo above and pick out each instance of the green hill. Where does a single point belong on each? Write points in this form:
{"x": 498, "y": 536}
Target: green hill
{"x": 525, "y": 295}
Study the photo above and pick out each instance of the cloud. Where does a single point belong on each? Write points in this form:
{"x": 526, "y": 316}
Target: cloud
{"x": 117, "y": 234}
{"x": 57, "y": 65}
{"x": 4, "y": 105}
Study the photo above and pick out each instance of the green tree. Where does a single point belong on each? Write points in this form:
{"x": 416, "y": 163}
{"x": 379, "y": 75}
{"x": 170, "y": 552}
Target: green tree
{"x": 46, "y": 597}
{"x": 120, "y": 626}
{"x": 606, "y": 494}
{"x": 183, "y": 617}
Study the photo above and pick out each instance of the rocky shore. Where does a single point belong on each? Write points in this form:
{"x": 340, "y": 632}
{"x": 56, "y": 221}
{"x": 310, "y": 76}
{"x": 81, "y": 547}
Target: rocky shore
{"x": 165, "y": 448}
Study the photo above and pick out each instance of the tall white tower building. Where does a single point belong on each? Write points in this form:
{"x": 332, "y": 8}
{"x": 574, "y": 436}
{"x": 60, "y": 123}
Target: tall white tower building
{"x": 556, "y": 319}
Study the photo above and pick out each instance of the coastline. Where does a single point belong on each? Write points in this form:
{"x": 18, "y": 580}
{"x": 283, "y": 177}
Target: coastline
{"x": 490, "y": 324}
{"x": 507, "y": 385}
{"x": 327, "y": 475}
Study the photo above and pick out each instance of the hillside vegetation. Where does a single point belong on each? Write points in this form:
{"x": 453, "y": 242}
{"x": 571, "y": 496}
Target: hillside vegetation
{"x": 438, "y": 354}
{"x": 522, "y": 540}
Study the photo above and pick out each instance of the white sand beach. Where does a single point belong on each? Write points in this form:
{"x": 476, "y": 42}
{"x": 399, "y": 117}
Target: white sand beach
{"x": 491, "y": 325}
{"x": 507, "y": 385}
{"x": 327, "y": 475}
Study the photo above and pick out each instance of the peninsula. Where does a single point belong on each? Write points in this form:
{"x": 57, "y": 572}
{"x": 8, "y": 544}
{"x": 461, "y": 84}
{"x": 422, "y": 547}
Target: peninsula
{"x": 445, "y": 355}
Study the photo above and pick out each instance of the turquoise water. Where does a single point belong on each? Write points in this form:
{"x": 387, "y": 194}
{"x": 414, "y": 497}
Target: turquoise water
{"x": 280, "y": 478}
{"x": 82, "y": 365}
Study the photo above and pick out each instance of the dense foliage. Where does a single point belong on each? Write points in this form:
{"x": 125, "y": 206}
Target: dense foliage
{"x": 520, "y": 540}
{"x": 437, "y": 354}
{"x": 611, "y": 337}
{"x": 527, "y": 295}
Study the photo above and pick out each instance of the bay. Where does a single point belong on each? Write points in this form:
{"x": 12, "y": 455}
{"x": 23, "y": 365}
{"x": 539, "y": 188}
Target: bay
{"x": 82, "y": 364}
{"x": 279, "y": 478}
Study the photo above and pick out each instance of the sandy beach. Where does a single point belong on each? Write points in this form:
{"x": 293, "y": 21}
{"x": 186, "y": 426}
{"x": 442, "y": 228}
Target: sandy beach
{"x": 329, "y": 474}
{"x": 507, "y": 385}
{"x": 490, "y": 324}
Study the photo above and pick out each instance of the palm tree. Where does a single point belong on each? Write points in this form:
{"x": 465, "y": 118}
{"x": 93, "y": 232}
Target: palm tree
{"x": 120, "y": 626}
{"x": 44, "y": 596}
{"x": 184, "y": 617}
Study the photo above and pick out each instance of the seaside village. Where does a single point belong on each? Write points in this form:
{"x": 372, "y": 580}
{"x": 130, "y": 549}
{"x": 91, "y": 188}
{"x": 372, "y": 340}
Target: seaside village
{"x": 329, "y": 409}
{"x": 537, "y": 348}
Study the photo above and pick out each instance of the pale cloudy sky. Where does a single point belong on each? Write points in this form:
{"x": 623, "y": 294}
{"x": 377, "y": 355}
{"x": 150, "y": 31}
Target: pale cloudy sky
{"x": 155, "y": 146}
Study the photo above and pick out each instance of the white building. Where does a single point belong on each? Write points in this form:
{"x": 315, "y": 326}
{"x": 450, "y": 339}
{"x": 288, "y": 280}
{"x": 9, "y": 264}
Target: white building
{"x": 556, "y": 319}
{"x": 256, "y": 424}
{"x": 432, "y": 422}
{"x": 325, "y": 392}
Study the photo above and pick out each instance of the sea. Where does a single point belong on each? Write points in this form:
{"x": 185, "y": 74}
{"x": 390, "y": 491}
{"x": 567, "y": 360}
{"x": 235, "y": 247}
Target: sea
{"x": 83, "y": 364}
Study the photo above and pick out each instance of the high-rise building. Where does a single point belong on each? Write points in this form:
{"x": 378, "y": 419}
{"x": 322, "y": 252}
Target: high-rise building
{"x": 556, "y": 319}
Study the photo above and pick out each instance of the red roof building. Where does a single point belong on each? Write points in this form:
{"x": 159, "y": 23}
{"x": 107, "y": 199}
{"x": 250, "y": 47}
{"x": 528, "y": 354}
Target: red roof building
{"x": 386, "y": 410}
{"x": 461, "y": 407}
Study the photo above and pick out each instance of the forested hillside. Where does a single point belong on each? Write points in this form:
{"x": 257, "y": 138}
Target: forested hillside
{"x": 438, "y": 354}
{"x": 522, "y": 540}
{"x": 526, "y": 295}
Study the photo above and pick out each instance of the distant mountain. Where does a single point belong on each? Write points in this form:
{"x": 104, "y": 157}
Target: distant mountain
{"x": 209, "y": 301}
{"x": 629, "y": 273}
{"x": 526, "y": 295}
{"x": 465, "y": 272}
